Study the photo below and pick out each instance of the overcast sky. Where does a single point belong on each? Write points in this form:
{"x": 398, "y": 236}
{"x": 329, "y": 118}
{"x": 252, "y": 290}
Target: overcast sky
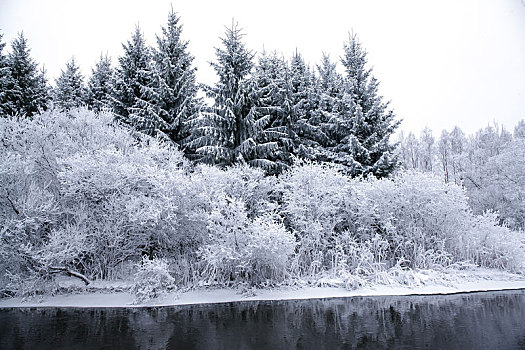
{"x": 441, "y": 63}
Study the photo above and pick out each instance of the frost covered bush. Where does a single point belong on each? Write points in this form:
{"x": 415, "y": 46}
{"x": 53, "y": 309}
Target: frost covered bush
{"x": 363, "y": 227}
{"x": 314, "y": 204}
{"x": 152, "y": 279}
{"x": 138, "y": 202}
{"x": 248, "y": 185}
{"x": 488, "y": 244}
{"x": 419, "y": 215}
{"x": 241, "y": 249}
{"x": 82, "y": 192}
{"x": 428, "y": 223}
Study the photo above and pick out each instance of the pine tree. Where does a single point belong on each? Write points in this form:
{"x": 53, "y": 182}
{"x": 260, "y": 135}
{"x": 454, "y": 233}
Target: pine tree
{"x": 26, "y": 92}
{"x": 70, "y": 91}
{"x": 130, "y": 98}
{"x": 99, "y": 85}
{"x": 363, "y": 130}
{"x": 174, "y": 85}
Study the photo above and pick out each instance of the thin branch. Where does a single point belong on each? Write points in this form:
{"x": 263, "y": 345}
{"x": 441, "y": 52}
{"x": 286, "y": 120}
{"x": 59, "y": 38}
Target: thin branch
{"x": 12, "y": 204}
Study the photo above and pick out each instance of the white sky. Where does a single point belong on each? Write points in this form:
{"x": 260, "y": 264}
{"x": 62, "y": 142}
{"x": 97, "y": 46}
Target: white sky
{"x": 441, "y": 63}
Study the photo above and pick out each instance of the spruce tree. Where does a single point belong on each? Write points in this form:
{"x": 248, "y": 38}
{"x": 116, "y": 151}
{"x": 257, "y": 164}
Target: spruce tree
{"x": 43, "y": 91}
{"x": 26, "y": 92}
{"x": 301, "y": 83}
{"x": 223, "y": 133}
{"x": 313, "y": 127}
{"x": 5, "y": 82}
{"x": 174, "y": 87}
{"x": 221, "y": 129}
{"x": 99, "y": 85}
{"x": 275, "y": 111}
{"x": 364, "y": 127}
{"x": 70, "y": 91}
{"x": 130, "y": 97}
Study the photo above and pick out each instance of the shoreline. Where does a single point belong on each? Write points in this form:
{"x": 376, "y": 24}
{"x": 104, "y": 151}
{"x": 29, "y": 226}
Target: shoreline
{"x": 225, "y": 295}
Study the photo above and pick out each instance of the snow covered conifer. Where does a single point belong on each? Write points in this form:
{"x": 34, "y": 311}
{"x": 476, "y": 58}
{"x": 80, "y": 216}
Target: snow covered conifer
{"x": 26, "y": 91}
{"x": 322, "y": 106}
{"x": 132, "y": 78}
{"x": 174, "y": 86}
{"x": 70, "y": 91}
{"x": 222, "y": 129}
{"x": 99, "y": 85}
{"x": 5, "y": 82}
{"x": 366, "y": 149}
{"x": 275, "y": 110}
{"x": 226, "y": 132}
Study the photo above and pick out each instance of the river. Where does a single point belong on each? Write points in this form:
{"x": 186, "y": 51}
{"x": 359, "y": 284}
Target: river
{"x": 489, "y": 320}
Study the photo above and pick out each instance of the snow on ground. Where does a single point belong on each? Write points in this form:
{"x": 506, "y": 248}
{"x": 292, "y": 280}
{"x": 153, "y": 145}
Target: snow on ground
{"x": 482, "y": 280}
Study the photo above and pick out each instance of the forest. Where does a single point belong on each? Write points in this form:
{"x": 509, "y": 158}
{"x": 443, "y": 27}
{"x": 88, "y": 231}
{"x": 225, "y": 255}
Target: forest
{"x": 280, "y": 173}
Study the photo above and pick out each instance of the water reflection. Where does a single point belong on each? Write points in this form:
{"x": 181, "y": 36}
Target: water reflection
{"x": 464, "y": 321}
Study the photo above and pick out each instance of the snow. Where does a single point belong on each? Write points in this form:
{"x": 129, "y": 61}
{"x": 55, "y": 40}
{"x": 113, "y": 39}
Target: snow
{"x": 223, "y": 295}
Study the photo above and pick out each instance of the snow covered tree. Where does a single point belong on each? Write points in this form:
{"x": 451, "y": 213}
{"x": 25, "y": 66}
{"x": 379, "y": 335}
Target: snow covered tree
{"x": 228, "y": 131}
{"x": 275, "y": 109}
{"x": 70, "y": 91}
{"x": 99, "y": 85}
{"x": 412, "y": 145}
{"x": 501, "y": 182}
{"x": 26, "y": 92}
{"x": 322, "y": 105}
{"x": 458, "y": 145}
{"x": 519, "y": 130}
{"x": 366, "y": 124}
{"x": 5, "y": 82}
{"x": 444, "y": 149}
{"x": 302, "y": 104}
{"x": 130, "y": 98}
{"x": 426, "y": 151}
{"x": 222, "y": 129}
{"x": 173, "y": 88}
{"x": 330, "y": 118}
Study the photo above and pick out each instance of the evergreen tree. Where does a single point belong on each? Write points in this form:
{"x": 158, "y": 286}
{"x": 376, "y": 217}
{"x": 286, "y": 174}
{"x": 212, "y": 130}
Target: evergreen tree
{"x": 70, "y": 92}
{"x": 174, "y": 86}
{"x": 26, "y": 92}
{"x": 363, "y": 130}
{"x": 228, "y": 132}
{"x": 275, "y": 110}
{"x": 99, "y": 85}
{"x": 130, "y": 98}
{"x": 301, "y": 84}
{"x": 43, "y": 91}
{"x": 314, "y": 127}
{"x": 5, "y": 82}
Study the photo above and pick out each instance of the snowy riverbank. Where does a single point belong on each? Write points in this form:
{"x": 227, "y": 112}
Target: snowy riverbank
{"x": 481, "y": 281}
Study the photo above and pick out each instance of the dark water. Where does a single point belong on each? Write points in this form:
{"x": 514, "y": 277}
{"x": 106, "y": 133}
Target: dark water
{"x": 464, "y": 321}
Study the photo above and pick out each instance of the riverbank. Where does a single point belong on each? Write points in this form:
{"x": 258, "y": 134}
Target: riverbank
{"x": 481, "y": 280}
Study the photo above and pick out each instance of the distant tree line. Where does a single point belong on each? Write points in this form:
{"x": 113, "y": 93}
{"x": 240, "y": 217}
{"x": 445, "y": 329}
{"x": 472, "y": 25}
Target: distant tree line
{"x": 490, "y": 164}
{"x": 266, "y": 111}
